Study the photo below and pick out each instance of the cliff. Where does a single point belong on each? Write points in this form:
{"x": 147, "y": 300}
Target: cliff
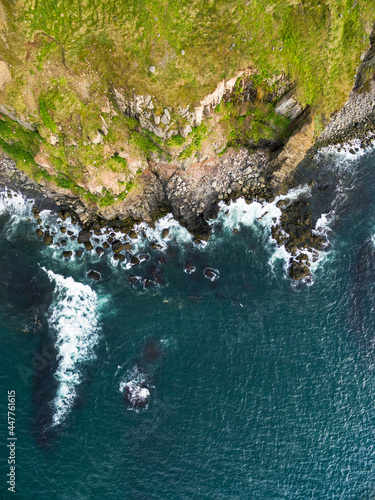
{"x": 127, "y": 111}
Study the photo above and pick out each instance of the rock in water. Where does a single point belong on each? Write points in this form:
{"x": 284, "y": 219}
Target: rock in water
{"x": 137, "y": 395}
{"x": 134, "y": 261}
{"x": 134, "y": 280}
{"x": 211, "y": 274}
{"x": 140, "y": 380}
{"x": 189, "y": 268}
{"x": 117, "y": 246}
{"x": 298, "y": 270}
{"x": 84, "y": 237}
{"x": 94, "y": 275}
{"x": 48, "y": 240}
{"x": 143, "y": 257}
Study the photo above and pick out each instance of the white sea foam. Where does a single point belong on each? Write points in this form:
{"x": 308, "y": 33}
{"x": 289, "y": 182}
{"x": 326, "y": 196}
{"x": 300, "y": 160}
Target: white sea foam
{"x": 261, "y": 216}
{"x": 74, "y": 321}
{"x": 340, "y": 157}
{"x": 135, "y": 384}
{"x": 255, "y": 214}
{"x": 177, "y": 233}
{"x": 17, "y": 207}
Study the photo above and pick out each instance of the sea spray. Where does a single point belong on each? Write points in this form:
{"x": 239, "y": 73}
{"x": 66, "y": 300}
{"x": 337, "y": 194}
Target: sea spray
{"x": 17, "y": 207}
{"x": 74, "y": 322}
{"x": 261, "y": 216}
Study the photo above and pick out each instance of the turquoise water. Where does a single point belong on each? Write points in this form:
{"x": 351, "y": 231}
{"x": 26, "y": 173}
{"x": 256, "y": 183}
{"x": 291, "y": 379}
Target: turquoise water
{"x": 259, "y": 388}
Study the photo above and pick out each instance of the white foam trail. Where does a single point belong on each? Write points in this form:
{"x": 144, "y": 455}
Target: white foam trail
{"x": 74, "y": 321}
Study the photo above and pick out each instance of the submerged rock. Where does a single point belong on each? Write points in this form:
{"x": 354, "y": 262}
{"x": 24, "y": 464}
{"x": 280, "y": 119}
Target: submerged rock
{"x": 189, "y": 268}
{"x": 143, "y": 257}
{"x": 147, "y": 283}
{"x": 211, "y": 274}
{"x": 134, "y": 280}
{"x": 136, "y": 395}
{"x": 141, "y": 379}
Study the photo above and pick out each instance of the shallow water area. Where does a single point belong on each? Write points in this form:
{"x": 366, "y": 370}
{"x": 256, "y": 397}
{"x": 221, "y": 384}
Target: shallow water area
{"x": 257, "y": 387}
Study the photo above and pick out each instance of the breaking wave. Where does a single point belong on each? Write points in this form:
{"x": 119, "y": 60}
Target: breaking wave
{"x": 74, "y": 322}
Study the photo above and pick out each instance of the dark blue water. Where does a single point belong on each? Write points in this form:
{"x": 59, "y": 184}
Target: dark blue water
{"x": 259, "y": 388}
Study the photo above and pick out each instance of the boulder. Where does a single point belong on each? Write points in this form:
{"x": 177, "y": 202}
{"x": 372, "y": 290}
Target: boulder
{"x": 134, "y": 261}
{"x": 211, "y": 274}
{"x": 94, "y": 275}
{"x": 47, "y": 238}
{"x": 117, "y": 246}
{"x": 289, "y": 107}
{"x": 84, "y": 237}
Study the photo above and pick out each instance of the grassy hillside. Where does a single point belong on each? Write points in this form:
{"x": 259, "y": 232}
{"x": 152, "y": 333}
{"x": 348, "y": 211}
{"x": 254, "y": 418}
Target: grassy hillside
{"x": 65, "y": 56}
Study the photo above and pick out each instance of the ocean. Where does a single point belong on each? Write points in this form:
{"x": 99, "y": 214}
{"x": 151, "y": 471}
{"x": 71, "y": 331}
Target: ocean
{"x": 203, "y": 371}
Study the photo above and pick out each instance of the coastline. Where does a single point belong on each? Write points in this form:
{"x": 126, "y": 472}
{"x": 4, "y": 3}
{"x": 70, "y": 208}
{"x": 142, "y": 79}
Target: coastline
{"x": 193, "y": 191}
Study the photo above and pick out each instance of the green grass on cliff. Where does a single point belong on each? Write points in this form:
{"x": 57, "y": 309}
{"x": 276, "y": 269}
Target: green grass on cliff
{"x": 316, "y": 42}
{"x": 67, "y": 56}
